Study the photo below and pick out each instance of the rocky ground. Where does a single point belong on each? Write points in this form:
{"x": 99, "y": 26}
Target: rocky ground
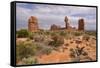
{"x": 63, "y": 52}
{"x": 74, "y": 49}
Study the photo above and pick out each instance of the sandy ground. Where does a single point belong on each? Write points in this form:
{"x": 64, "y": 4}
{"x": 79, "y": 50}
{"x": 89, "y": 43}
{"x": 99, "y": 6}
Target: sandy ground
{"x": 63, "y": 53}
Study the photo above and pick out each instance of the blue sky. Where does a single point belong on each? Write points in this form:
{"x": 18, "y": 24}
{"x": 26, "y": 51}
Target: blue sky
{"x": 54, "y": 14}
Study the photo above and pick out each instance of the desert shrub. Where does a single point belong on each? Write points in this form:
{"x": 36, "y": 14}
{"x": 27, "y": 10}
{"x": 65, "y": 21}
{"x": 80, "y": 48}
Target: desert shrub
{"x": 39, "y": 38}
{"x": 25, "y": 50}
{"x": 77, "y": 52}
{"x": 22, "y": 33}
{"x": 30, "y": 60}
{"x": 77, "y": 33}
{"x": 93, "y": 33}
{"x": 46, "y": 51}
{"x": 86, "y": 37}
{"x": 40, "y": 32}
{"x": 72, "y": 53}
{"x": 30, "y": 35}
{"x": 39, "y": 47}
{"x": 47, "y": 40}
{"x": 80, "y": 51}
{"x": 46, "y": 32}
{"x": 57, "y": 41}
{"x": 42, "y": 48}
{"x": 63, "y": 33}
{"x": 53, "y": 33}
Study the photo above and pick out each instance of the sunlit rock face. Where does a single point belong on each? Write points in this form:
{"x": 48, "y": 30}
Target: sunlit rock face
{"x": 33, "y": 24}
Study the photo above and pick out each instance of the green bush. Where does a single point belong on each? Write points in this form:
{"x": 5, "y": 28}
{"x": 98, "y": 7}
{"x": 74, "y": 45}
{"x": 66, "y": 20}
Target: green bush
{"x": 22, "y": 33}
{"x": 63, "y": 33}
{"x": 25, "y": 50}
{"x": 30, "y": 35}
{"x": 30, "y": 60}
{"x": 77, "y": 33}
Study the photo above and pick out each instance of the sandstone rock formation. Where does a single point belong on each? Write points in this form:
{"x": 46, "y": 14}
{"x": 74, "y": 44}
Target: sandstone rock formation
{"x": 81, "y": 24}
{"x": 67, "y": 24}
{"x": 33, "y": 24}
{"x": 55, "y": 27}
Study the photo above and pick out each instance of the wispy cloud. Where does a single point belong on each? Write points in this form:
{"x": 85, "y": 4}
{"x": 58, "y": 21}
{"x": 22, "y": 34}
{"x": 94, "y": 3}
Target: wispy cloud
{"x": 54, "y": 14}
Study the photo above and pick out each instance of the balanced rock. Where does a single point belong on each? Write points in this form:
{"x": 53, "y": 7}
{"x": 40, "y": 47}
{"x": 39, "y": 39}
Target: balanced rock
{"x": 67, "y": 25}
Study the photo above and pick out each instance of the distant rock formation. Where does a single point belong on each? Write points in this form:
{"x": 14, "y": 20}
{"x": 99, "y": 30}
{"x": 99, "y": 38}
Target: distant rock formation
{"x": 81, "y": 24}
{"x": 67, "y": 24}
{"x": 33, "y": 24}
{"x": 55, "y": 27}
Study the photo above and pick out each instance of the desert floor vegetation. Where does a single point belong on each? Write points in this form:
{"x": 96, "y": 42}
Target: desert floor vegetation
{"x": 46, "y": 46}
